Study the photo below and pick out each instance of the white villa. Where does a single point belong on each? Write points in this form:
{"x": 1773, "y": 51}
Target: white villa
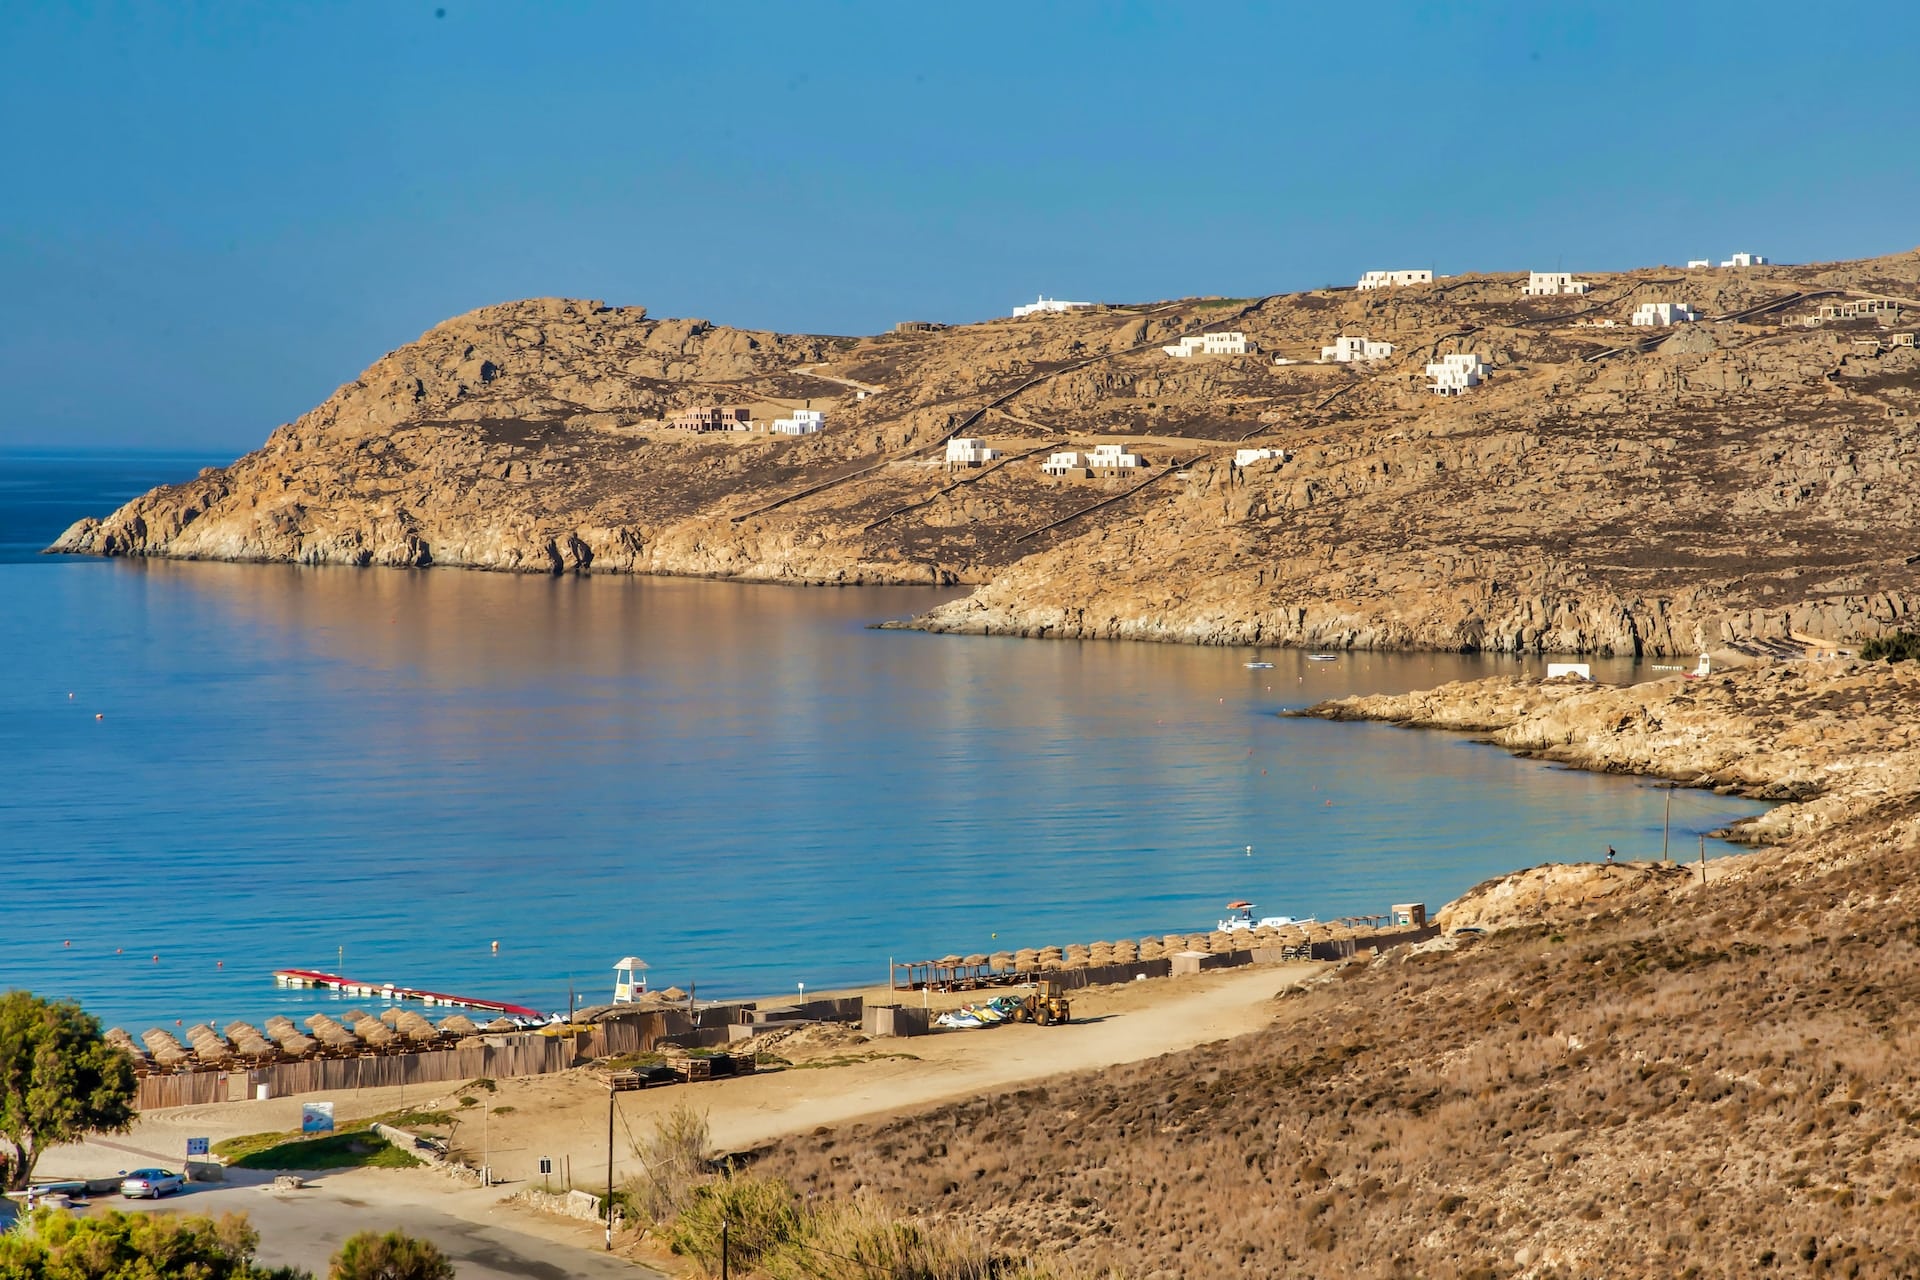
{"x": 803, "y": 422}
{"x": 1745, "y": 260}
{"x": 1068, "y": 462}
{"x": 1113, "y": 459}
{"x": 969, "y": 451}
{"x": 1209, "y": 344}
{"x": 1044, "y": 305}
{"x": 1346, "y": 350}
{"x": 1650, "y": 315}
{"x": 1694, "y": 264}
{"x": 1548, "y": 284}
{"x": 1455, "y": 373}
{"x": 1247, "y": 457}
{"x": 1393, "y": 279}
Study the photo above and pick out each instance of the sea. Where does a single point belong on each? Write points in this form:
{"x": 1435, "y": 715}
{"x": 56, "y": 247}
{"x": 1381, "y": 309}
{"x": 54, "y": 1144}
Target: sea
{"x": 499, "y": 785}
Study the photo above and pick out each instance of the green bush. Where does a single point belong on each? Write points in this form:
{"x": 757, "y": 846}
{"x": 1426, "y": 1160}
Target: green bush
{"x": 393, "y": 1256}
{"x": 1899, "y": 647}
{"x": 52, "y": 1245}
{"x": 673, "y": 1162}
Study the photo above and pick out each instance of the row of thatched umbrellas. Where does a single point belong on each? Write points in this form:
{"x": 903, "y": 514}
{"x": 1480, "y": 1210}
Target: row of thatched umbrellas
{"x": 1126, "y": 951}
{"x": 353, "y": 1032}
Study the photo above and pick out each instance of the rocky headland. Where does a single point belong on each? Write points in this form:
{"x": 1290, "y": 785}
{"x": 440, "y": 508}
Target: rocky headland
{"x": 1609, "y": 490}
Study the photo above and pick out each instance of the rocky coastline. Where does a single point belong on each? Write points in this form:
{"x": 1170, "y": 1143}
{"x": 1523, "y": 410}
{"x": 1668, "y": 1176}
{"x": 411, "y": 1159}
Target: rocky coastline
{"x": 1837, "y": 743}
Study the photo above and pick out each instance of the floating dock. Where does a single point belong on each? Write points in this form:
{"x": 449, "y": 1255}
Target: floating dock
{"x": 390, "y": 991}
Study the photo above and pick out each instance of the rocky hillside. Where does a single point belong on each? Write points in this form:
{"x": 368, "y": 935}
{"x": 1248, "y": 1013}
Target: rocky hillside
{"x": 1630, "y": 1074}
{"x": 1608, "y": 490}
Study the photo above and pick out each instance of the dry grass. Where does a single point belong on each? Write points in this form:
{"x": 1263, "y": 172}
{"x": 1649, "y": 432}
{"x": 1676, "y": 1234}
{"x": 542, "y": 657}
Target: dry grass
{"x": 1729, "y": 1085}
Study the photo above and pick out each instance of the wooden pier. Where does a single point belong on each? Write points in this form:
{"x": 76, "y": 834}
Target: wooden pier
{"x": 391, "y": 991}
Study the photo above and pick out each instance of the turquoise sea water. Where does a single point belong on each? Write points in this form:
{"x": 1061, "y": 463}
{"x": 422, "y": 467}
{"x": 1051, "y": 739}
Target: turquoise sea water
{"x": 387, "y": 771}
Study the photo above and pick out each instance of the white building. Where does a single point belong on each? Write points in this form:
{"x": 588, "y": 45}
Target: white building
{"x": 1650, "y": 315}
{"x": 1744, "y": 260}
{"x": 1209, "y": 344}
{"x": 1346, "y": 350}
{"x": 969, "y": 451}
{"x": 1549, "y": 284}
{"x": 1068, "y": 462}
{"x": 1247, "y": 457}
{"x": 1045, "y": 305}
{"x": 802, "y": 422}
{"x": 1113, "y": 458}
{"x": 1393, "y": 279}
{"x": 1455, "y": 373}
{"x": 1696, "y": 263}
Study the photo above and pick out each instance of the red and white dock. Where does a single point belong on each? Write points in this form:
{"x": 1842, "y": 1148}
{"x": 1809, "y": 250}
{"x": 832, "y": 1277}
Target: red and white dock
{"x": 393, "y": 991}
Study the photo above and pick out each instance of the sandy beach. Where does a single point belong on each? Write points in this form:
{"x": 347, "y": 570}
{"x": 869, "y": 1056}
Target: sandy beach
{"x": 563, "y": 1116}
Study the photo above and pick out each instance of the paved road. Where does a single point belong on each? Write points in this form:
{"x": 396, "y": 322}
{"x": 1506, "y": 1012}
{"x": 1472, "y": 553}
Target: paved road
{"x": 303, "y": 1228}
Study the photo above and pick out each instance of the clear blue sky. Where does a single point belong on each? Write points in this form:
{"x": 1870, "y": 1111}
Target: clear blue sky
{"x": 211, "y": 215}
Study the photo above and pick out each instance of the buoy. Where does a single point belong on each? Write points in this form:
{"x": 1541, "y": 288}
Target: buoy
{"x": 219, "y": 964}
{"x": 98, "y": 716}
{"x": 1329, "y": 804}
{"x": 67, "y": 943}
{"x": 69, "y": 697}
{"x": 118, "y": 950}
{"x": 176, "y": 1022}
{"x": 496, "y": 947}
{"x": 1263, "y": 773}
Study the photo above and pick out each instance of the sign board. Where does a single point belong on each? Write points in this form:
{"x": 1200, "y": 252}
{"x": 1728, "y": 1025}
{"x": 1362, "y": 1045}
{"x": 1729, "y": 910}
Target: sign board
{"x": 316, "y": 1117}
{"x": 546, "y": 1166}
{"x": 196, "y": 1146}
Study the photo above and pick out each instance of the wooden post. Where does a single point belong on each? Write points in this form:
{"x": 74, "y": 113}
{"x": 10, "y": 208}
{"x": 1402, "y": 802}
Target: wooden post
{"x": 609, "y": 1166}
{"x": 1667, "y": 833}
{"x": 1703, "y": 859}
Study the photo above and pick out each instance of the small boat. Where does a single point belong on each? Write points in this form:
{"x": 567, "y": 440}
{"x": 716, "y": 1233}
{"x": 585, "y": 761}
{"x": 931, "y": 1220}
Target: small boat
{"x": 1259, "y": 666}
{"x": 1240, "y": 919}
{"x": 1323, "y": 657}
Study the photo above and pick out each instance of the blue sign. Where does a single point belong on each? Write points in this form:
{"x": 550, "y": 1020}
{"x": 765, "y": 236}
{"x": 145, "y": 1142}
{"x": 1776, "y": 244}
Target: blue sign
{"x": 196, "y": 1146}
{"x": 316, "y": 1117}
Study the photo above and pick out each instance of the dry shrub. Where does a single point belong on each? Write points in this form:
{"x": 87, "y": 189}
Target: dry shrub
{"x": 759, "y": 1216}
{"x": 859, "y": 1240}
{"x": 673, "y": 1164}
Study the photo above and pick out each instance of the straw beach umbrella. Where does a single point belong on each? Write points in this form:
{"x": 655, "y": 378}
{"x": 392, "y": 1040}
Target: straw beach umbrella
{"x": 415, "y": 1028}
{"x": 166, "y": 1050}
{"x": 458, "y": 1024}
{"x": 1001, "y": 961}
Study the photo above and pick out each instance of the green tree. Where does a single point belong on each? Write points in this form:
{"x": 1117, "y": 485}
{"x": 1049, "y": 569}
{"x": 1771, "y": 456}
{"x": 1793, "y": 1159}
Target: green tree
{"x": 51, "y": 1245}
{"x": 393, "y": 1256}
{"x": 59, "y": 1081}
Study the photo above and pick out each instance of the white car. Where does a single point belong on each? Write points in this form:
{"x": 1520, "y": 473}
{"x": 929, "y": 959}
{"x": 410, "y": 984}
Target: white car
{"x": 151, "y": 1183}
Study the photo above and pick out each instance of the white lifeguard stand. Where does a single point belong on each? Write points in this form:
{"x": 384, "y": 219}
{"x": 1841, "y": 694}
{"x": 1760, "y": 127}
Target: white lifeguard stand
{"x": 629, "y": 980}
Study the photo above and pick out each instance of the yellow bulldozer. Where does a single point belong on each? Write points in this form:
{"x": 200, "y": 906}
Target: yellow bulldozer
{"x": 1046, "y": 1006}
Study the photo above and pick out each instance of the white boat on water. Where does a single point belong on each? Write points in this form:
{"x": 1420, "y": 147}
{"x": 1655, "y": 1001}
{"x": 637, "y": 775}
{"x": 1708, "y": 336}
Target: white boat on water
{"x": 1259, "y": 666}
{"x": 1323, "y": 657}
{"x": 1240, "y": 919}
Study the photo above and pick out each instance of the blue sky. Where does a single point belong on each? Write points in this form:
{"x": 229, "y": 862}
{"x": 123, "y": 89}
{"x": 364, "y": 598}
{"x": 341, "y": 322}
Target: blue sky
{"x": 212, "y": 215}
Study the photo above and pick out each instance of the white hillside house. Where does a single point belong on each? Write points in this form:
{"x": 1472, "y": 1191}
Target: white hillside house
{"x": 1655, "y": 315}
{"x": 1745, "y": 260}
{"x": 1453, "y": 374}
{"x": 1393, "y": 279}
{"x": 801, "y": 422}
{"x": 1552, "y": 284}
{"x": 1694, "y": 264}
{"x": 969, "y": 451}
{"x": 1044, "y": 305}
{"x": 1209, "y": 344}
{"x": 1067, "y": 462}
{"x": 1113, "y": 459}
{"x": 1347, "y": 350}
{"x": 1247, "y": 457}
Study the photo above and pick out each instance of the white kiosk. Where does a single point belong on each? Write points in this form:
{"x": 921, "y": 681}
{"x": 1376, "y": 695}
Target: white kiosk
{"x": 629, "y": 980}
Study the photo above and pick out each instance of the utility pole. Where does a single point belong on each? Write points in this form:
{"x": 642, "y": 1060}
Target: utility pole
{"x": 724, "y": 1225}
{"x": 1703, "y": 859}
{"x": 1667, "y": 834}
{"x": 609, "y": 1166}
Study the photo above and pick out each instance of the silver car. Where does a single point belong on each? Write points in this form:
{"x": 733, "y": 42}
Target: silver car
{"x": 152, "y": 1183}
